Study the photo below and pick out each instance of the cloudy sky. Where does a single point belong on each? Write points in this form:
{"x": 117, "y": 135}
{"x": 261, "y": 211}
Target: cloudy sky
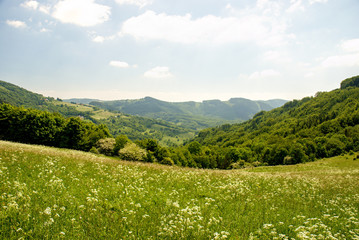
{"x": 179, "y": 50}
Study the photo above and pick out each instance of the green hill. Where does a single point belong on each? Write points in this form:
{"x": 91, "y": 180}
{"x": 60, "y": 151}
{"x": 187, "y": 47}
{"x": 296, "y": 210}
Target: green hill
{"x": 301, "y": 130}
{"x": 194, "y": 115}
{"x": 135, "y": 127}
{"x": 17, "y": 96}
{"x": 14, "y": 95}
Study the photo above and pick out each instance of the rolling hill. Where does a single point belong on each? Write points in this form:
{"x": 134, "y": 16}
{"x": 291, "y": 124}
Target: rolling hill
{"x": 193, "y": 115}
{"x": 302, "y": 130}
{"x": 135, "y": 127}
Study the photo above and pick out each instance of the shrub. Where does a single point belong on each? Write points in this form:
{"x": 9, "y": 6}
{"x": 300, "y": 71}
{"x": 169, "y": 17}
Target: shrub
{"x": 256, "y": 164}
{"x": 121, "y": 141}
{"x": 288, "y": 160}
{"x": 94, "y": 150}
{"x": 106, "y": 146}
{"x": 167, "y": 161}
{"x": 238, "y": 165}
{"x": 132, "y": 152}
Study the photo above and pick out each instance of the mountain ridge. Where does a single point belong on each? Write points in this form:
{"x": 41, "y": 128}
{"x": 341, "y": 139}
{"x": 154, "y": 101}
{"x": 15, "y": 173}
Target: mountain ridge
{"x": 235, "y": 109}
{"x": 316, "y": 127}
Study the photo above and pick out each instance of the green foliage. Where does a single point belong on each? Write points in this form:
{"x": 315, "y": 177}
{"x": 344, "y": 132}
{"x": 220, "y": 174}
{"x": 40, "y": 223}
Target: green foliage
{"x": 350, "y": 82}
{"x": 138, "y": 128}
{"x": 132, "y": 152}
{"x": 14, "y": 95}
{"x": 300, "y": 131}
{"x": 51, "y": 129}
{"x": 106, "y": 146}
{"x": 194, "y": 148}
{"x": 120, "y": 143}
{"x": 167, "y": 161}
{"x": 191, "y": 115}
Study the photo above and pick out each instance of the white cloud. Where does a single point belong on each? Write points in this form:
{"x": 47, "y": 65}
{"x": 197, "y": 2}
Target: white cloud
{"x": 208, "y": 29}
{"x": 268, "y": 73}
{"x": 44, "y": 9}
{"x": 351, "y": 45}
{"x": 101, "y": 39}
{"x": 295, "y": 5}
{"x": 119, "y": 64}
{"x": 30, "y": 4}
{"x": 158, "y": 73}
{"x": 44, "y": 30}
{"x": 139, "y": 3}
{"x": 317, "y": 1}
{"x": 16, "y": 23}
{"x": 84, "y": 13}
{"x": 98, "y": 39}
{"x": 269, "y": 7}
{"x": 272, "y": 56}
{"x": 347, "y": 60}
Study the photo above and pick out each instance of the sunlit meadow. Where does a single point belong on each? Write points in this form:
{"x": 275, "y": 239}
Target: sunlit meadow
{"x": 48, "y": 193}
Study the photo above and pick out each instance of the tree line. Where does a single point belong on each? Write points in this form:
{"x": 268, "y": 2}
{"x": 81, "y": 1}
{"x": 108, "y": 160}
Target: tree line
{"x": 51, "y": 129}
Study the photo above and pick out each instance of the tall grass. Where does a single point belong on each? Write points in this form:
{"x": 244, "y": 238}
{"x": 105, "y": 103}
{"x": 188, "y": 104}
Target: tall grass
{"x": 48, "y": 193}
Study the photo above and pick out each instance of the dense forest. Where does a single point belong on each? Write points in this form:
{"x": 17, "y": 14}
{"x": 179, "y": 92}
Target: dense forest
{"x": 135, "y": 127}
{"x": 302, "y": 130}
{"x": 33, "y": 126}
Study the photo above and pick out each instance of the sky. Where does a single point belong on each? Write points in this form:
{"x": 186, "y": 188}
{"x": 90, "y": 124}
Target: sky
{"x": 179, "y": 50}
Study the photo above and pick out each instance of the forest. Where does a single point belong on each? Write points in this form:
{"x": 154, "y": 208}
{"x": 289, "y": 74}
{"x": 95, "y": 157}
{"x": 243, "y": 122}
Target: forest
{"x": 304, "y": 130}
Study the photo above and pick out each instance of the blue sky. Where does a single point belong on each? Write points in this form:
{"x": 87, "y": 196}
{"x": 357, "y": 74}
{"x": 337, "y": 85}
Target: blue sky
{"x": 179, "y": 50}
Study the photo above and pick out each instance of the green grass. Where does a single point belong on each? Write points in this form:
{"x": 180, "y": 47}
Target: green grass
{"x": 49, "y": 193}
{"x": 96, "y": 114}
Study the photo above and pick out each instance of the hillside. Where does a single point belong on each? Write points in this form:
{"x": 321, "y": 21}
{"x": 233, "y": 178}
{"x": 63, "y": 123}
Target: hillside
{"x": 49, "y": 193}
{"x": 14, "y": 95}
{"x": 301, "y": 130}
{"x": 135, "y": 127}
{"x": 194, "y": 115}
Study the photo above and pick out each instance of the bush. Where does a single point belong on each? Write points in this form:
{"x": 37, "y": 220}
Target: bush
{"x": 94, "y": 150}
{"x": 132, "y": 152}
{"x": 121, "y": 141}
{"x": 167, "y": 161}
{"x": 106, "y": 146}
{"x": 256, "y": 164}
{"x": 288, "y": 160}
{"x": 238, "y": 165}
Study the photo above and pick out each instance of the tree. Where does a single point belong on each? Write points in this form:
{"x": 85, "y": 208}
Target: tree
{"x": 194, "y": 148}
{"x": 73, "y": 134}
{"x": 132, "y": 152}
{"x": 106, "y": 146}
{"x": 120, "y": 142}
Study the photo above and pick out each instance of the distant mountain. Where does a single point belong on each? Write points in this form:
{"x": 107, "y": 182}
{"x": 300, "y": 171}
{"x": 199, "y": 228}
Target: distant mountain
{"x": 135, "y": 127}
{"x": 81, "y": 100}
{"x": 315, "y": 127}
{"x": 186, "y": 113}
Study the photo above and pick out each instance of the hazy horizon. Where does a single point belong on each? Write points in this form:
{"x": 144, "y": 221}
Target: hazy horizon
{"x": 179, "y": 51}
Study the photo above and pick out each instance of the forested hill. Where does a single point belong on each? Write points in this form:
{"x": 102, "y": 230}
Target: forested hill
{"x": 17, "y": 96}
{"x": 301, "y": 130}
{"x": 134, "y": 127}
{"x": 234, "y": 109}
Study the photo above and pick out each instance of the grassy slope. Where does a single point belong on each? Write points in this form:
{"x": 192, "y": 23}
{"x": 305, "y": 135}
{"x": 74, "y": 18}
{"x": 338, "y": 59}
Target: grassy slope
{"x": 55, "y": 193}
{"x": 96, "y": 114}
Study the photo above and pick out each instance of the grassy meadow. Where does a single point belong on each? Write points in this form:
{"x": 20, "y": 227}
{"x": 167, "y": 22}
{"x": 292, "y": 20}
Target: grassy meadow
{"x": 48, "y": 193}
